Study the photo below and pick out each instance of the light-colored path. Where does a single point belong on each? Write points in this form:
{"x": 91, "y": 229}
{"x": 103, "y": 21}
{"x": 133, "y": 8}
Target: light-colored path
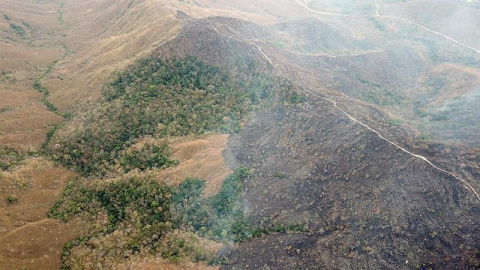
{"x": 353, "y": 119}
{"x": 377, "y": 14}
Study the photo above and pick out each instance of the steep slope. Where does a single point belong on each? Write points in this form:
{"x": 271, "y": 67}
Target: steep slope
{"x": 332, "y": 166}
{"x": 366, "y": 205}
{"x": 353, "y": 199}
{"x": 118, "y": 143}
{"x": 105, "y": 36}
{"x": 407, "y": 76}
{"x": 313, "y": 36}
{"x": 447, "y": 17}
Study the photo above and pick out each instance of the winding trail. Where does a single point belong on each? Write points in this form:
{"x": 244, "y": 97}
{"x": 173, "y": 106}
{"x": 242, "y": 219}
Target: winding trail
{"x": 26, "y": 225}
{"x": 327, "y": 13}
{"x": 377, "y": 14}
{"x": 248, "y": 42}
{"x": 353, "y": 119}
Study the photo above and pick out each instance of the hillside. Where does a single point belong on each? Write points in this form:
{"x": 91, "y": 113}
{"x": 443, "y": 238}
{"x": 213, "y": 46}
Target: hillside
{"x": 239, "y": 135}
{"x": 447, "y": 17}
{"x": 28, "y": 46}
{"x": 366, "y": 205}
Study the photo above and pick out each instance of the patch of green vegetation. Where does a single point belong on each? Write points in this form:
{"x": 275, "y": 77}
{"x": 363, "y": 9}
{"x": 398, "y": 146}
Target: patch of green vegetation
{"x": 154, "y": 214}
{"x": 380, "y": 26}
{"x": 222, "y": 216}
{"x": 395, "y": 122}
{"x": 280, "y": 175}
{"x": 189, "y": 204}
{"x": 60, "y": 17}
{"x": 378, "y": 94}
{"x": 140, "y": 205}
{"x": 217, "y": 217}
{"x": 179, "y": 247}
{"x": 148, "y": 157}
{"x": 382, "y": 97}
{"x": 17, "y": 29}
{"x": 50, "y": 134}
{"x": 146, "y": 197}
{"x": 27, "y": 25}
{"x": 11, "y": 200}
{"x": 426, "y": 137}
{"x": 10, "y": 158}
{"x": 161, "y": 98}
{"x": 7, "y": 18}
{"x": 37, "y": 85}
{"x": 67, "y": 250}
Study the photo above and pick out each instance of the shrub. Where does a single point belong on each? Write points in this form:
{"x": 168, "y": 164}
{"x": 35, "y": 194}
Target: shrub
{"x": 151, "y": 217}
{"x": 150, "y": 199}
{"x": 17, "y": 29}
{"x": 10, "y": 157}
{"x": 11, "y": 199}
{"x": 189, "y": 204}
{"x": 148, "y": 157}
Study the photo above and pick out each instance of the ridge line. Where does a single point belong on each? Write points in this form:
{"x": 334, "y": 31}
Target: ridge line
{"x": 353, "y": 119}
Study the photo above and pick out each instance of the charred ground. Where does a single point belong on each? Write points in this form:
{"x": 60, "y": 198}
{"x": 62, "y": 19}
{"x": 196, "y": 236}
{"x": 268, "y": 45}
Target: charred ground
{"x": 310, "y": 188}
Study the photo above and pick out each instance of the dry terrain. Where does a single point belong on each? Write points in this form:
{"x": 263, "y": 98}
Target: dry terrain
{"x": 28, "y": 45}
{"x": 379, "y": 163}
{"x": 202, "y": 159}
{"x": 28, "y": 239}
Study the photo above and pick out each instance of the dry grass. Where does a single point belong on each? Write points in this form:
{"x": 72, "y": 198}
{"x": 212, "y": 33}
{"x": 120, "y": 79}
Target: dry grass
{"x": 198, "y": 158}
{"x": 106, "y": 41}
{"x": 27, "y": 238}
{"x": 23, "y": 120}
{"x": 37, "y": 245}
{"x": 201, "y": 158}
{"x": 36, "y": 185}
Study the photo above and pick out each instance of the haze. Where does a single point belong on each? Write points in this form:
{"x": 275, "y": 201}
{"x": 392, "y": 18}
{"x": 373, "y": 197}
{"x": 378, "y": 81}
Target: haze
{"x": 215, "y": 134}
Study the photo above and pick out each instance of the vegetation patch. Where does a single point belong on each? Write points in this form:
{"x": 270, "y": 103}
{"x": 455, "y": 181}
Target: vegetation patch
{"x": 147, "y": 157}
{"x": 221, "y": 217}
{"x": 37, "y": 85}
{"x": 17, "y": 29}
{"x": 27, "y": 25}
{"x": 11, "y": 157}
{"x": 395, "y": 122}
{"x": 144, "y": 216}
{"x": 146, "y": 197}
{"x": 11, "y": 200}
{"x": 162, "y": 98}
